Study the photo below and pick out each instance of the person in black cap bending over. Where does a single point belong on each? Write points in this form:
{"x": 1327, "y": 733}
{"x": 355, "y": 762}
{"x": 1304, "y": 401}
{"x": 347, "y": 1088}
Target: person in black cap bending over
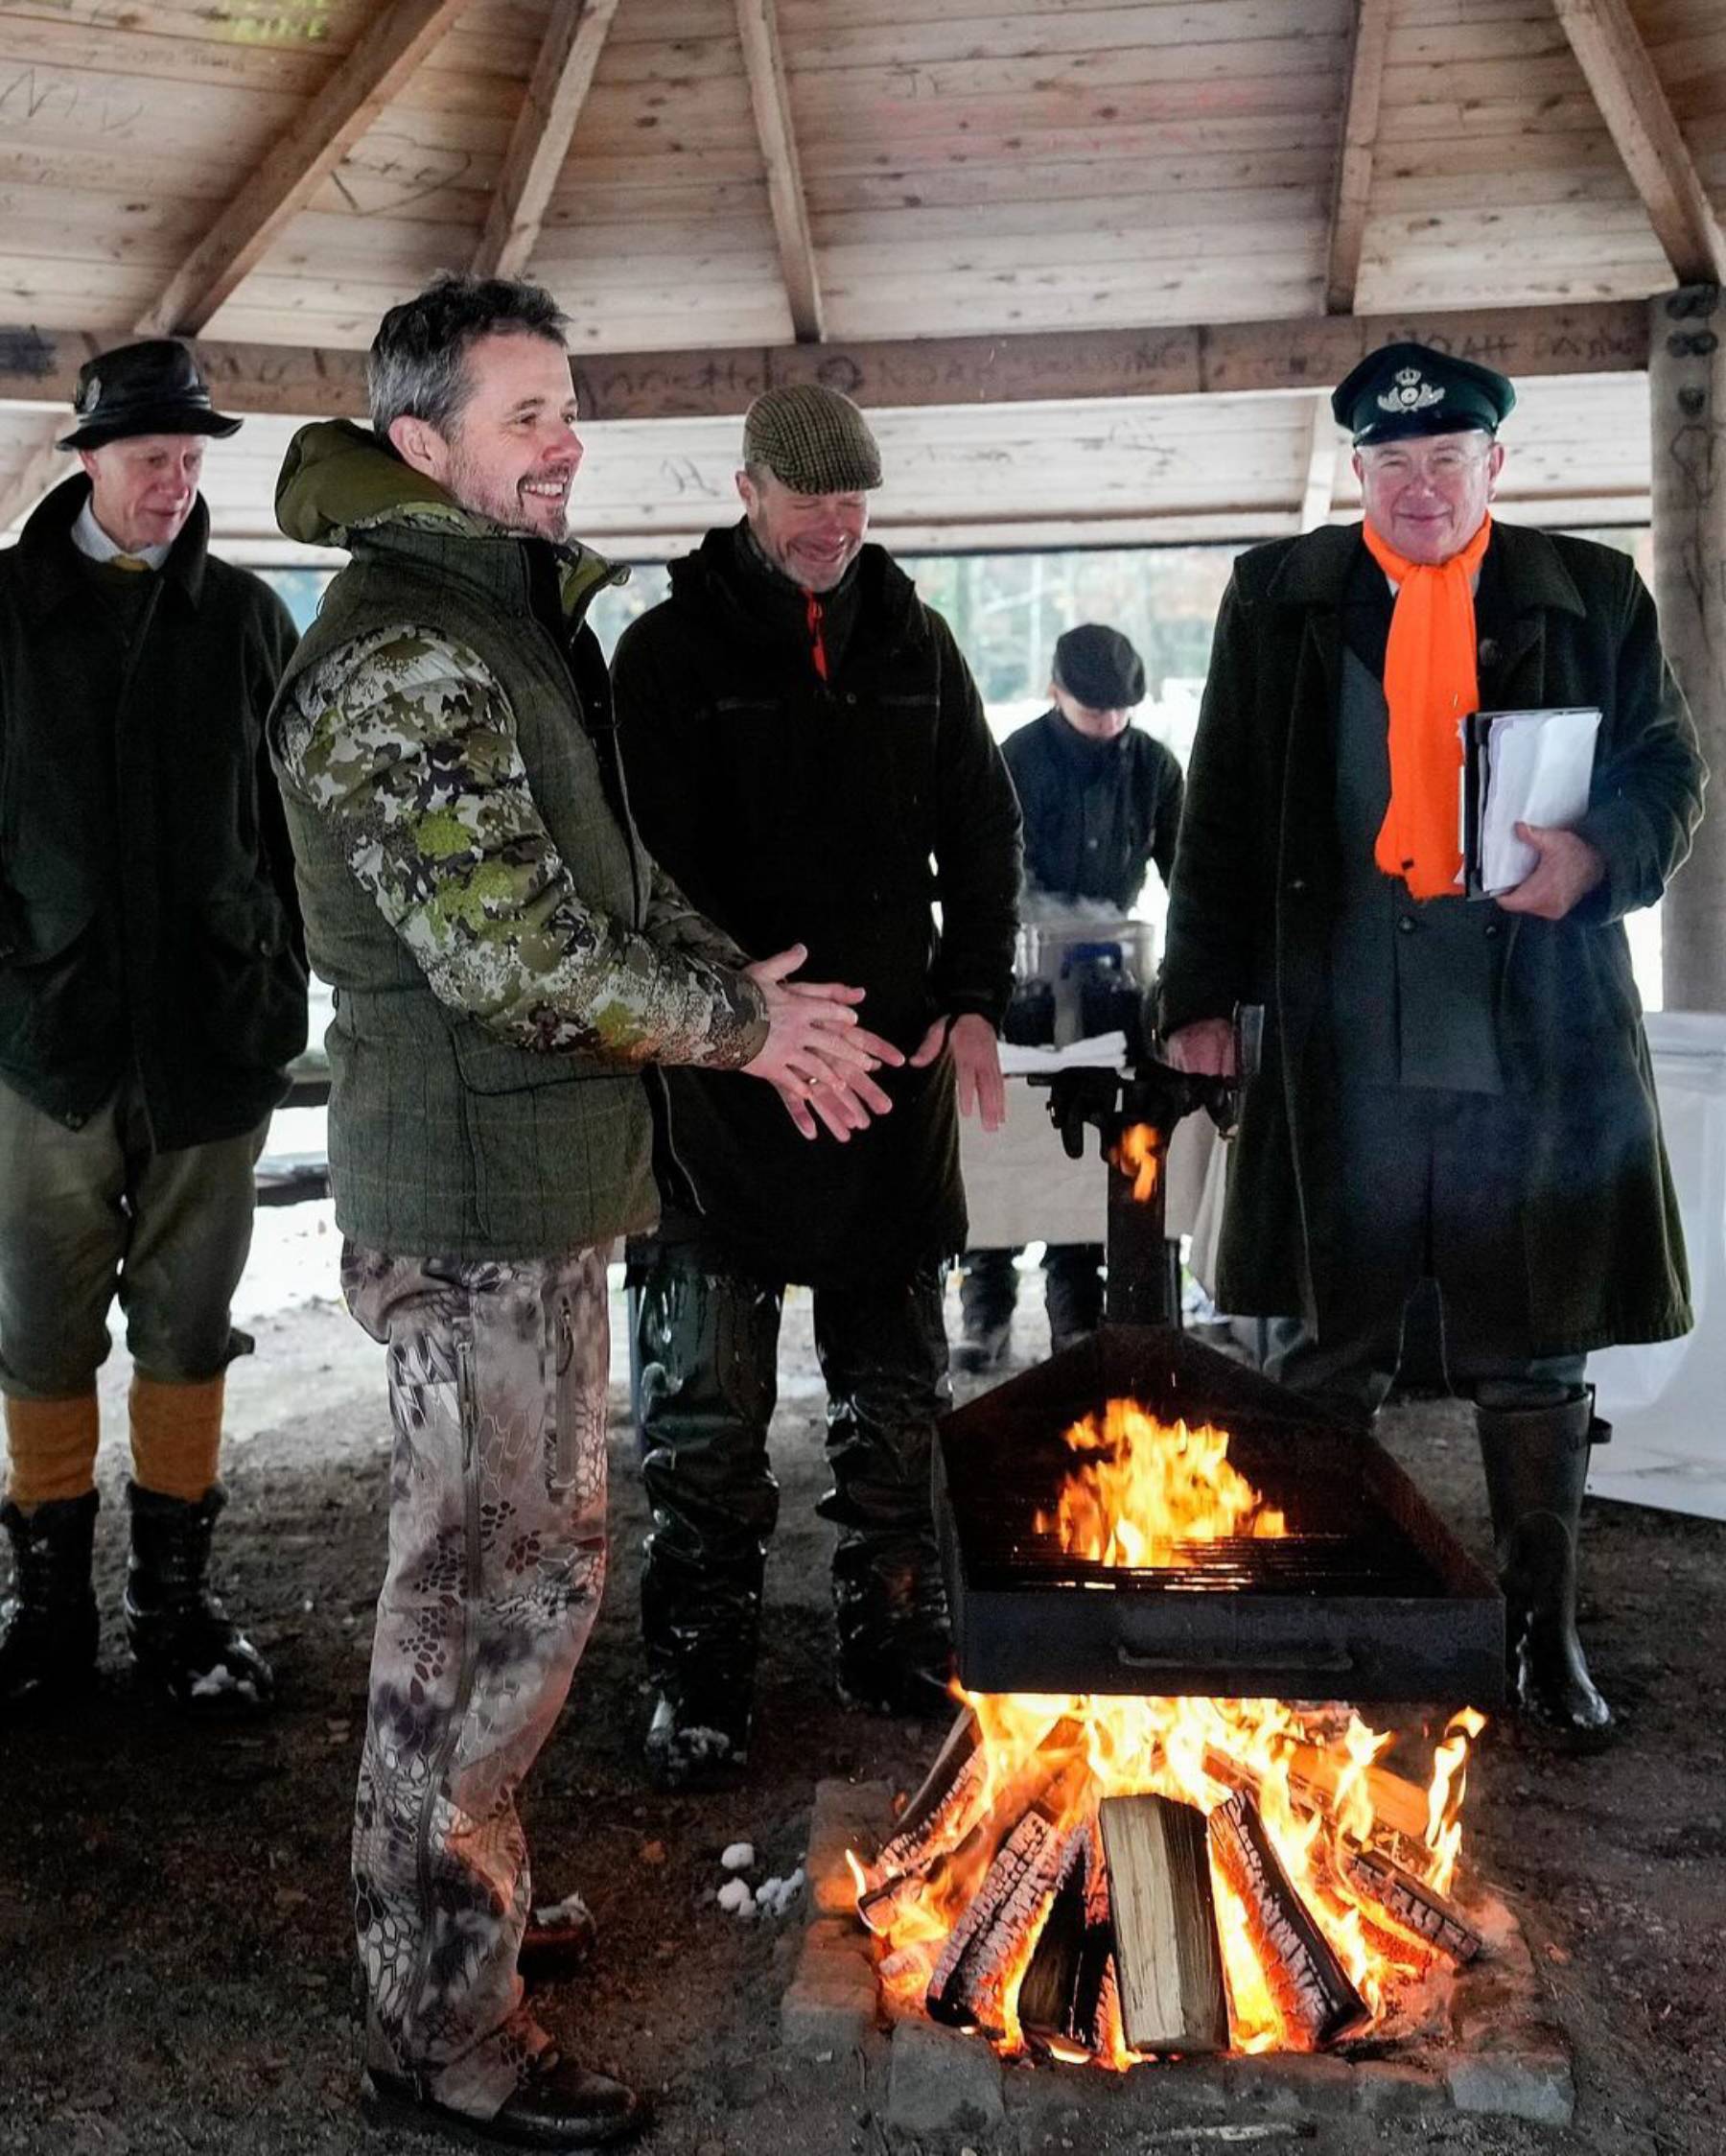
{"x": 1100, "y": 801}
{"x": 807, "y": 756}
{"x": 152, "y": 992}
{"x": 1450, "y": 1089}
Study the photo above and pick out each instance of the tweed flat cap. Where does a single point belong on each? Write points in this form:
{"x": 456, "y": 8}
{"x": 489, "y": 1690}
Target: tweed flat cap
{"x": 811, "y": 439}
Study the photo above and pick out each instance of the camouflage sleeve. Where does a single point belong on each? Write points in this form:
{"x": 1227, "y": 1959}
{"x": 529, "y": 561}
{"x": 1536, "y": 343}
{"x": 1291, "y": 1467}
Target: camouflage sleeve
{"x": 406, "y": 741}
{"x": 674, "y": 919}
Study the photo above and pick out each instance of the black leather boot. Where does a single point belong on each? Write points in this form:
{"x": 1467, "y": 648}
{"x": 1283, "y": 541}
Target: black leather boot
{"x": 1536, "y": 1462}
{"x": 48, "y": 1625}
{"x": 181, "y": 1638}
{"x": 987, "y": 1290}
{"x": 559, "y": 2107}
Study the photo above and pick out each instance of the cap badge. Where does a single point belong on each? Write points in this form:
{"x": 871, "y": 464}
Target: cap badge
{"x": 89, "y": 395}
{"x": 1409, "y": 393}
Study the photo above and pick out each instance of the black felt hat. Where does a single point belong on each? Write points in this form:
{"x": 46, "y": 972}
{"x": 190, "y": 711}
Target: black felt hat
{"x": 149, "y": 389}
{"x": 1100, "y": 668}
{"x": 1411, "y": 389}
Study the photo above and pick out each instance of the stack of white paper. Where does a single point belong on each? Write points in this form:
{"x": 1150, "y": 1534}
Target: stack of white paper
{"x": 1522, "y": 767}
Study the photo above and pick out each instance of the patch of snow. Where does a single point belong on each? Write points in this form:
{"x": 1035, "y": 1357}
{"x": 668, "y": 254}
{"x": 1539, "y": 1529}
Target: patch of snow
{"x": 735, "y": 1895}
{"x": 738, "y": 1856}
{"x": 775, "y": 1896}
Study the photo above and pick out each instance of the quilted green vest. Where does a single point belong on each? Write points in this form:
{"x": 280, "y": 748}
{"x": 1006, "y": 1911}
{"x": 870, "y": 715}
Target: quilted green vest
{"x": 446, "y": 1140}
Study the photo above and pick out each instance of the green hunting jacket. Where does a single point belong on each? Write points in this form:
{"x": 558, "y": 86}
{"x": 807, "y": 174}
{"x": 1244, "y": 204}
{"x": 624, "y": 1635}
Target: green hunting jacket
{"x": 507, "y": 961}
{"x": 1259, "y": 881}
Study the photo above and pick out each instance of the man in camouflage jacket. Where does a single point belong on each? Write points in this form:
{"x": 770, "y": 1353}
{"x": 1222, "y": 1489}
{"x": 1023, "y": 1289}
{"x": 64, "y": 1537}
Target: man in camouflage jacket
{"x": 507, "y": 962}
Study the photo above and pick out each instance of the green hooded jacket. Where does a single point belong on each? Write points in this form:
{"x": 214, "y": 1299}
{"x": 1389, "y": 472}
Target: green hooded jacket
{"x": 506, "y": 958}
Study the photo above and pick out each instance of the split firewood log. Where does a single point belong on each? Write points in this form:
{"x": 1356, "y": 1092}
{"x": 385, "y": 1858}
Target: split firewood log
{"x": 1167, "y": 1953}
{"x": 1411, "y": 1905}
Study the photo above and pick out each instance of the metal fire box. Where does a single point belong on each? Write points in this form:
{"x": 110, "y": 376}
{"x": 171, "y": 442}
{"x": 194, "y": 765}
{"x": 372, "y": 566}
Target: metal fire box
{"x": 1370, "y": 1598}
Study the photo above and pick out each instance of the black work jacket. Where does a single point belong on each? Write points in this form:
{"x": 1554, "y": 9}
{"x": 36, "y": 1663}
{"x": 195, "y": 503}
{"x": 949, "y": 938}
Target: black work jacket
{"x": 835, "y": 814}
{"x": 1096, "y": 814}
{"x": 148, "y": 918}
{"x": 1560, "y": 621}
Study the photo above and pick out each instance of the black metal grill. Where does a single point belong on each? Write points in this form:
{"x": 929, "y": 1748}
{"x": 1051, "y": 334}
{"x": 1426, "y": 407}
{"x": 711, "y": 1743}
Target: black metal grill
{"x": 1367, "y": 1598}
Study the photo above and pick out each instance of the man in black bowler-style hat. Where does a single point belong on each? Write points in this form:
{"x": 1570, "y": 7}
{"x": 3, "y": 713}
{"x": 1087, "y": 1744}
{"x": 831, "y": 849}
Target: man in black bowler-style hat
{"x": 1451, "y": 1090}
{"x": 152, "y": 992}
{"x": 1101, "y": 799}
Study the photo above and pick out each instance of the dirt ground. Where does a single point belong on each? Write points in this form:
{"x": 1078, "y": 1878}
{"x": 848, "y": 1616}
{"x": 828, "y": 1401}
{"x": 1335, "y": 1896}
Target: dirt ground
{"x": 175, "y": 1957}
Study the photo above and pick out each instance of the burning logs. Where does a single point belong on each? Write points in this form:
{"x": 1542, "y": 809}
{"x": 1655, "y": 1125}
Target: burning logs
{"x": 1411, "y": 1906}
{"x": 1311, "y": 1987}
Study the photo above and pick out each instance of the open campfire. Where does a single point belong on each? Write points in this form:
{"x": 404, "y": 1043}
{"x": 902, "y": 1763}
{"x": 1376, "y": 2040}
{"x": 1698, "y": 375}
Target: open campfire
{"x": 1112, "y": 1876}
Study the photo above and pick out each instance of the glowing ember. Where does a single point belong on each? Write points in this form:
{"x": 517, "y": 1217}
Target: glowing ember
{"x": 960, "y": 1899}
{"x": 1137, "y": 1154}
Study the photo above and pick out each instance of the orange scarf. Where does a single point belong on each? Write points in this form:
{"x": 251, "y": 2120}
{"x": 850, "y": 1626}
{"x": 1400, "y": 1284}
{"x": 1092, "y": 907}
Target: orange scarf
{"x": 1430, "y": 686}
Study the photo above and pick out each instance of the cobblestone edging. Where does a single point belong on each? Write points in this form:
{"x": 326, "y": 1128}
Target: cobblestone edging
{"x": 1502, "y": 2059}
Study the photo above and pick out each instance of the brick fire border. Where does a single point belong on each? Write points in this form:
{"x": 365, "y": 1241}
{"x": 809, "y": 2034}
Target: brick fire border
{"x": 1503, "y": 2059}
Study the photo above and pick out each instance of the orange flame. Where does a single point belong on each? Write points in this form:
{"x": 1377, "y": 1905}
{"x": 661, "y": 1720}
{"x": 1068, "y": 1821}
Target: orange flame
{"x": 1137, "y": 1154}
{"x": 1141, "y": 1491}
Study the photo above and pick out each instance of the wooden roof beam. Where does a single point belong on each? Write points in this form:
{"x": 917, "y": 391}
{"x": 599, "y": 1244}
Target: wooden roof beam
{"x": 563, "y": 74}
{"x": 1306, "y": 355}
{"x": 1322, "y": 455}
{"x": 1356, "y": 149}
{"x": 1639, "y": 116}
{"x": 764, "y": 63}
{"x": 383, "y": 57}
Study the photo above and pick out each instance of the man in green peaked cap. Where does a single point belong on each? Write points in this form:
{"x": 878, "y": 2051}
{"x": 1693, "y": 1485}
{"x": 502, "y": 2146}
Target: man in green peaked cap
{"x": 1451, "y": 1090}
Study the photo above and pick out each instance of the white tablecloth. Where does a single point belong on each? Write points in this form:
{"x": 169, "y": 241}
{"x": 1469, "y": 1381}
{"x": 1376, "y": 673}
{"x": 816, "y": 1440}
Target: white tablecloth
{"x": 1020, "y": 1188}
{"x": 1667, "y": 1404}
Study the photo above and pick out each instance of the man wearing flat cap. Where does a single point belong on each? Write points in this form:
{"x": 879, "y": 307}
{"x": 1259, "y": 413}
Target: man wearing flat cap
{"x": 1451, "y": 1089}
{"x": 807, "y": 755}
{"x": 152, "y": 992}
{"x": 1100, "y": 800}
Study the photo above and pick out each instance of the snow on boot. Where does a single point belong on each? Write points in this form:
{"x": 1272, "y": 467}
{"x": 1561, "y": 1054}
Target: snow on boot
{"x": 181, "y": 1638}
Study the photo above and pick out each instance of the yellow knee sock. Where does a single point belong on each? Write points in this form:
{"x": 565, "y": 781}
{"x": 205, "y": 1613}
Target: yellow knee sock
{"x": 52, "y": 1449}
{"x": 175, "y": 1436}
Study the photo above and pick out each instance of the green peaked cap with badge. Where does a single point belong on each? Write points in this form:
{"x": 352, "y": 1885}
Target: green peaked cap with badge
{"x": 1411, "y": 389}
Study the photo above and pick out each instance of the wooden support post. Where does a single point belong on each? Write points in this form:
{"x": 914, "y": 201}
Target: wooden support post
{"x": 1687, "y": 402}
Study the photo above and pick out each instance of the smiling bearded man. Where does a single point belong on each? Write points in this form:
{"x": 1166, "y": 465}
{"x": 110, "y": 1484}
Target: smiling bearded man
{"x": 507, "y": 962}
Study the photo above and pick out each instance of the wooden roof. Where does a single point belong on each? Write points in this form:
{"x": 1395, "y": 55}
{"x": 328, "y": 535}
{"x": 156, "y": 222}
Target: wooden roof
{"x": 1067, "y": 203}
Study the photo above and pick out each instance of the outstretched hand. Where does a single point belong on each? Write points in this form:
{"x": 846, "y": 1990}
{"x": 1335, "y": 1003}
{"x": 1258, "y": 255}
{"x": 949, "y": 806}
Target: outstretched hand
{"x": 971, "y": 1042}
{"x": 817, "y": 1058}
{"x": 1568, "y": 869}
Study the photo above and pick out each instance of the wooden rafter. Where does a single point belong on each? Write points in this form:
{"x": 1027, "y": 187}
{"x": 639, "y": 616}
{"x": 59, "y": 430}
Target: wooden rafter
{"x": 1359, "y": 141}
{"x": 757, "y": 26}
{"x": 1320, "y": 487}
{"x": 38, "y": 366}
{"x": 1639, "y": 117}
{"x": 557, "y": 89}
{"x": 386, "y": 53}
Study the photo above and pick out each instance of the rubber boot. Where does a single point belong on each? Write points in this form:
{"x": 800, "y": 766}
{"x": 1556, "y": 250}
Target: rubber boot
{"x": 1072, "y": 1292}
{"x": 883, "y": 1355}
{"x": 48, "y": 1626}
{"x": 1536, "y": 1462}
{"x": 987, "y": 1290}
{"x": 181, "y": 1639}
{"x": 708, "y": 1346}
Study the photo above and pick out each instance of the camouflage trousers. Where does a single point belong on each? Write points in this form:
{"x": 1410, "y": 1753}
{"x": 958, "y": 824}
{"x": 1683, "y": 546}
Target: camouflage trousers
{"x": 497, "y": 1558}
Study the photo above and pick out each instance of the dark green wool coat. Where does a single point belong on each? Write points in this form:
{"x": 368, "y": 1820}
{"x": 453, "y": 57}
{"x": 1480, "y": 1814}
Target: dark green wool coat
{"x": 147, "y": 905}
{"x": 832, "y": 815}
{"x": 1560, "y": 621}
